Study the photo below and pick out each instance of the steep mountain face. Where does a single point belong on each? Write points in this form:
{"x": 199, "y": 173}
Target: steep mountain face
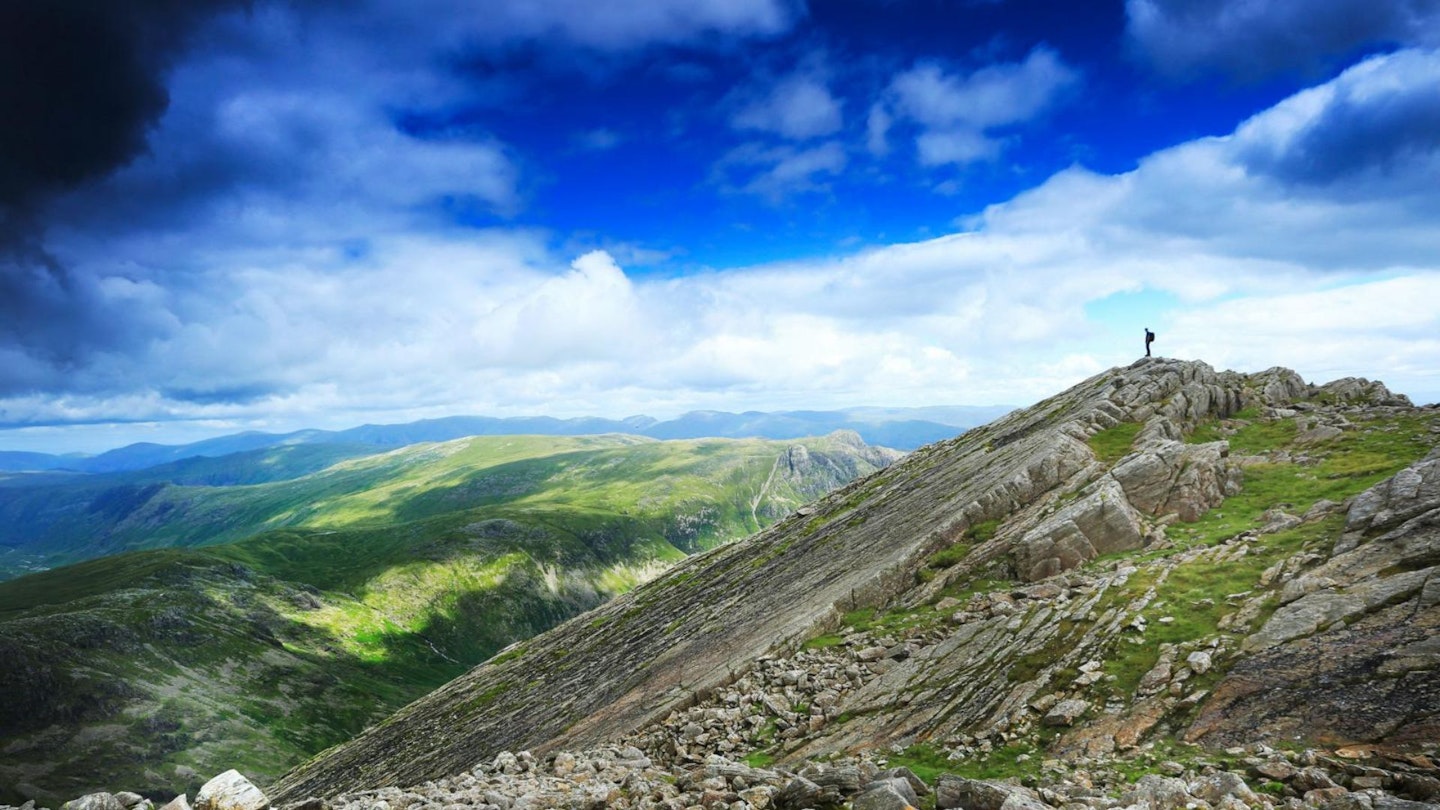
{"x": 394, "y": 574}
{"x": 1162, "y": 555}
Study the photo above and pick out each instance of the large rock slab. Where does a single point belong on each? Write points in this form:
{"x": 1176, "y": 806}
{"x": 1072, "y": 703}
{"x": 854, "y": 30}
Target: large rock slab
{"x": 1170, "y": 476}
{"x": 94, "y": 801}
{"x": 230, "y": 791}
{"x": 1412, "y": 492}
{"x": 1101, "y": 522}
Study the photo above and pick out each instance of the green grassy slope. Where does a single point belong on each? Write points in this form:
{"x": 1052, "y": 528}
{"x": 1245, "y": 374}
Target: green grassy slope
{"x": 359, "y": 589}
{"x": 73, "y": 520}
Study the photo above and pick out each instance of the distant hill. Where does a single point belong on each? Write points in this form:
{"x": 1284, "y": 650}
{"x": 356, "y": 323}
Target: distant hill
{"x": 344, "y": 593}
{"x": 900, "y": 428}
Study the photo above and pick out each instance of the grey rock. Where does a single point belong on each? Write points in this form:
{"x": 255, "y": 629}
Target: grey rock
{"x": 1199, "y": 662}
{"x": 1278, "y": 520}
{"x": 1319, "y": 433}
{"x": 900, "y": 785}
{"x": 94, "y": 801}
{"x": 1101, "y": 522}
{"x": 1171, "y": 476}
{"x": 1217, "y": 787}
{"x": 1311, "y": 778}
{"x": 1359, "y": 390}
{"x": 1066, "y": 712}
{"x": 128, "y": 798}
{"x": 971, "y": 794}
{"x": 800, "y": 793}
{"x": 230, "y": 791}
{"x": 1409, "y": 493}
{"x": 882, "y": 796}
{"x": 1158, "y": 792}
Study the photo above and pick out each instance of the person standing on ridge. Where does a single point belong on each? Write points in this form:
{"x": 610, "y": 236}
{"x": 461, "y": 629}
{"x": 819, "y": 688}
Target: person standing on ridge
{"x": 1149, "y": 338}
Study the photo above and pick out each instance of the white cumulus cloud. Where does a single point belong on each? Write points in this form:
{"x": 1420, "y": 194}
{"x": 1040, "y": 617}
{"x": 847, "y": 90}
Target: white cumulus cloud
{"x": 958, "y": 112}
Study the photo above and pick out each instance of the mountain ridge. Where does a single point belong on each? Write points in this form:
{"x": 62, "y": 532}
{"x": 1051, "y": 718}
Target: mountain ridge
{"x": 1028, "y": 497}
{"x": 887, "y": 427}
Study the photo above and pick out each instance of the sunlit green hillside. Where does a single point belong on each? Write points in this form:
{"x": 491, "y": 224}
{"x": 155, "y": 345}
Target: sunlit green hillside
{"x": 55, "y": 520}
{"x": 345, "y": 593}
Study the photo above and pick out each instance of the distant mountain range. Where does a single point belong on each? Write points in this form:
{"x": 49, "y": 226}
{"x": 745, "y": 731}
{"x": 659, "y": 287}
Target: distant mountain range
{"x": 898, "y": 428}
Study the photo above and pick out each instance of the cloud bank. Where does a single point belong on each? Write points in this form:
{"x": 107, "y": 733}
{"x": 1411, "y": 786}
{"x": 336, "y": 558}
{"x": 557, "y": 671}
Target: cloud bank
{"x": 279, "y": 246}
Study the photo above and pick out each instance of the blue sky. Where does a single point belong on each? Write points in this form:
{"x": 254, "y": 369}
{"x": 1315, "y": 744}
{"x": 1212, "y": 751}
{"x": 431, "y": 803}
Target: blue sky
{"x": 217, "y": 216}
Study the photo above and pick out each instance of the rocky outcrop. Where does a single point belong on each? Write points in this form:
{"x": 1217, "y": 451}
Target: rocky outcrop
{"x": 1101, "y": 522}
{"x": 1364, "y": 623}
{"x": 1358, "y": 390}
{"x": 1187, "y": 480}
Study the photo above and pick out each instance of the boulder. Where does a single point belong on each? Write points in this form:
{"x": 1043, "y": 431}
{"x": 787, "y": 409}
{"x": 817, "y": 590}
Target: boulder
{"x": 917, "y": 785}
{"x": 882, "y": 796}
{"x": 1409, "y": 493}
{"x": 1279, "y": 386}
{"x": 1199, "y": 662}
{"x": 1358, "y": 390}
{"x": 1171, "y": 476}
{"x": 1218, "y": 786}
{"x": 230, "y": 791}
{"x": 1157, "y": 792}
{"x": 953, "y": 791}
{"x": 1066, "y": 712}
{"x": 1101, "y": 522}
{"x": 800, "y": 793}
{"x": 94, "y": 801}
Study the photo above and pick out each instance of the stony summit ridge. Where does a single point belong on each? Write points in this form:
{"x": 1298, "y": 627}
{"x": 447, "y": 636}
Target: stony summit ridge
{"x": 1165, "y": 587}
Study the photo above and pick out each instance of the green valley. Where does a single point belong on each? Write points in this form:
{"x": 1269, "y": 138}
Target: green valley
{"x": 261, "y": 623}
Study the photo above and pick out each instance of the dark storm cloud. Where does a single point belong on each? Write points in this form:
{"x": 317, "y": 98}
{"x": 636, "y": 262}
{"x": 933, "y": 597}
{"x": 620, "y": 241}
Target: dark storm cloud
{"x": 81, "y": 85}
{"x": 1254, "y": 40}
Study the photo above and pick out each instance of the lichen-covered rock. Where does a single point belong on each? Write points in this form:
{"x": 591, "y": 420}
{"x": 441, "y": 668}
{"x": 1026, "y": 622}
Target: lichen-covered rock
{"x": 1411, "y": 492}
{"x": 972, "y": 794}
{"x": 1280, "y": 386}
{"x": 1066, "y": 712}
{"x": 800, "y": 793}
{"x": 1359, "y": 390}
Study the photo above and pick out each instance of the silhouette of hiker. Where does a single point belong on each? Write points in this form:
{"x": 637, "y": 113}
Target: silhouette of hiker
{"x": 1149, "y": 338}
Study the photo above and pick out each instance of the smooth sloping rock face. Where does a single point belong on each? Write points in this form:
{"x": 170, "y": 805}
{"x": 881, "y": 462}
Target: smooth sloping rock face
{"x": 641, "y": 656}
{"x": 1411, "y": 492}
